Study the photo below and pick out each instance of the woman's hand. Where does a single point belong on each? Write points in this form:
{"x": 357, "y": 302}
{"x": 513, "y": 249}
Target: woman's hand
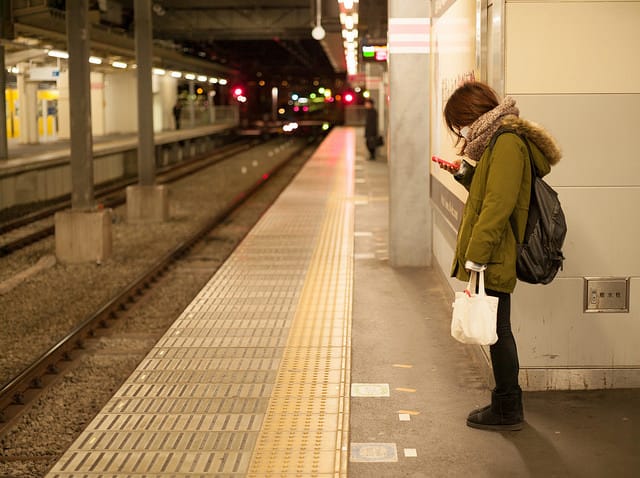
{"x": 452, "y": 169}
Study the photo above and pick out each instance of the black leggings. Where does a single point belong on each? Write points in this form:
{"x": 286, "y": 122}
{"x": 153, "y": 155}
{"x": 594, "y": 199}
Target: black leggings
{"x": 504, "y": 354}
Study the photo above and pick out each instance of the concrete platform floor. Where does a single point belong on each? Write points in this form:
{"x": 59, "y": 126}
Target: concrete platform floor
{"x": 401, "y": 320}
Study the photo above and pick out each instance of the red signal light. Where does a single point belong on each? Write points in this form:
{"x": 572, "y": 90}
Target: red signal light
{"x": 239, "y": 94}
{"x": 349, "y": 98}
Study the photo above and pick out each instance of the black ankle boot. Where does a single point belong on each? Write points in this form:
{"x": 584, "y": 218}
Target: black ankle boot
{"x": 478, "y": 410}
{"x": 505, "y": 413}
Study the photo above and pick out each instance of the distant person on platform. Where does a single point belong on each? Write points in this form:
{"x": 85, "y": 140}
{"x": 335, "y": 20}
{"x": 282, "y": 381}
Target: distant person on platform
{"x": 177, "y": 111}
{"x": 371, "y": 136}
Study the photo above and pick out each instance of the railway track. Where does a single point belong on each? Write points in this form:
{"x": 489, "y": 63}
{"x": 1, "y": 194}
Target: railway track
{"x": 30, "y": 228}
{"x": 17, "y": 394}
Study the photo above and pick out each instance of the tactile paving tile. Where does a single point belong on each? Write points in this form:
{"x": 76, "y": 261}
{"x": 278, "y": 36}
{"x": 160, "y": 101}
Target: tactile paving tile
{"x": 253, "y": 378}
{"x": 309, "y": 395}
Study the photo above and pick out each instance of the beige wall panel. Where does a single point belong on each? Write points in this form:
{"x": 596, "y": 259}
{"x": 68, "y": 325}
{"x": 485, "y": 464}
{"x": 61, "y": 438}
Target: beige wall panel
{"x": 597, "y": 135}
{"x": 444, "y": 242}
{"x": 603, "y": 231}
{"x": 560, "y": 334}
{"x": 97, "y": 104}
{"x": 573, "y": 47}
{"x": 121, "y": 103}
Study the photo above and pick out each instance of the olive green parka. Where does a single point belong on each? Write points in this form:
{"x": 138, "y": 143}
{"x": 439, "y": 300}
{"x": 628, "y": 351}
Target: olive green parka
{"x": 499, "y": 189}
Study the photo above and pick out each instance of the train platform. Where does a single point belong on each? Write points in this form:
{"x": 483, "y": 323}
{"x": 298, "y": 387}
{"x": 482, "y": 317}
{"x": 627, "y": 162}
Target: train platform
{"x": 307, "y": 355}
{"x": 27, "y": 156}
{"x": 41, "y": 171}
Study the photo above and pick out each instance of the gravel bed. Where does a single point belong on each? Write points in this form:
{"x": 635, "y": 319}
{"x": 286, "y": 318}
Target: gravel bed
{"x": 41, "y": 310}
{"x": 35, "y": 314}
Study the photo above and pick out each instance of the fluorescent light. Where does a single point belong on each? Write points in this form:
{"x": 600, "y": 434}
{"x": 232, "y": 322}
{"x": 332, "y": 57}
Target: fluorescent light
{"x": 348, "y": 22}
{"x": 118, "y": 64}
{"x": 58, "y": 54}
{"x": 350, "y": 35}
{"x": 222, "y": 81}
{"x": 176, "y": 74}
{"x": 95, "y": 60}
{"x": 213, "y": 80}
{"x": 190, "y": 76}
{"x": 348, "y": 4}
{"x": 158, "y": 71}
{"x": 202, "y": 78}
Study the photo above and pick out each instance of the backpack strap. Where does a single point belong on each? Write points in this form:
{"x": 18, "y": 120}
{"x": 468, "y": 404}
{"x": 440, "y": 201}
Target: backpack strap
{"x": 534, "y": 174}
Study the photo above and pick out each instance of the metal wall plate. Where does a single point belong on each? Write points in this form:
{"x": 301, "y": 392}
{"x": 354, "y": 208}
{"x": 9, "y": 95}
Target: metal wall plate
{"x": 606, "y": 294}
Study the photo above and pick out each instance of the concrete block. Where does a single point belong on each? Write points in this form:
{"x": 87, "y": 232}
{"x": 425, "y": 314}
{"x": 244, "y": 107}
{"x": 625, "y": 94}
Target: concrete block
{"x": 147, "y": 204}
{"x": 83, "y": 236}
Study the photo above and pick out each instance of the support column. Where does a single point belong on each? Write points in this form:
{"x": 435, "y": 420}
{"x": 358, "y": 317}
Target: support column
{"x": 83, "y": 233}
{"x": 28, "y": 112}
{"x": 146, "y": 201}
{"x": 410, "y": 223}
{"x": 4, "y": 149}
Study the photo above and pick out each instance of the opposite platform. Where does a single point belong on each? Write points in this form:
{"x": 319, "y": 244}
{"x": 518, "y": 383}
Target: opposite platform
{"x": 253, "y": 377}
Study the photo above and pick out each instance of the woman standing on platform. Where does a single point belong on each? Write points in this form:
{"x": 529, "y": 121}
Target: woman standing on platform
{"x": 492, "y": 135}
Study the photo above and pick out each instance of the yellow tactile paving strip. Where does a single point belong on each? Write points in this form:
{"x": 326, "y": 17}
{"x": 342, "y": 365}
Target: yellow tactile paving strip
{"x": 253, "y": 378}
{"x": 305, "y": 431}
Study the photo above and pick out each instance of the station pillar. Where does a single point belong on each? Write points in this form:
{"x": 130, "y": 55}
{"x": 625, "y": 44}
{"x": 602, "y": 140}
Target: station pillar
{"x": 82, "y": 234}
{"x": 28, "y": 112}
{"x": 146, "y": 201}
{"x": 410, "y": 222}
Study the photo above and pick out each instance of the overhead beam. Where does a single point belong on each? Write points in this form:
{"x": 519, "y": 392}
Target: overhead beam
{"x": 235, "y": 23}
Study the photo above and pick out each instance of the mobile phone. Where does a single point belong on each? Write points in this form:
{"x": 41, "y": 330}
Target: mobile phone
{"x": 445, "y": 163}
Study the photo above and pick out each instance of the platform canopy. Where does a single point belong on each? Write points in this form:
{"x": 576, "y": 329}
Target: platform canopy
{"x": 270, "y": 38}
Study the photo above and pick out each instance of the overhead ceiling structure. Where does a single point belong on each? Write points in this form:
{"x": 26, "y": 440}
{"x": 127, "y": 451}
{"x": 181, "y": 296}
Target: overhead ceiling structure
{"x": 271, "y": 38}
{"x": 268, "y": 39}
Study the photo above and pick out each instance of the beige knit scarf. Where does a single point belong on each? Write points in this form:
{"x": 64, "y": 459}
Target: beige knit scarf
{"x": 482, "y": 130}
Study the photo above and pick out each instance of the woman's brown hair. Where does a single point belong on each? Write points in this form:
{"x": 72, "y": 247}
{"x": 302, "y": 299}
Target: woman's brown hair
{"x": 467, "y": 103}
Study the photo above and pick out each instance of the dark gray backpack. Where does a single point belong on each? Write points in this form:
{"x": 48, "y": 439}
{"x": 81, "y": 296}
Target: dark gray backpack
{"x": 540, "y": 254}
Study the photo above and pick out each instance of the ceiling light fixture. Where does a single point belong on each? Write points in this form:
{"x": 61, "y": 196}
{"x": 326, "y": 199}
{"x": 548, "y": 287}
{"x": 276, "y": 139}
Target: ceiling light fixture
{"x": 318, "y": 32}
{"x": 58, "y": 54}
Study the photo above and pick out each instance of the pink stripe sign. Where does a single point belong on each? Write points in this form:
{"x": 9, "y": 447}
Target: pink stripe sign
{"x": 409, "y": 35}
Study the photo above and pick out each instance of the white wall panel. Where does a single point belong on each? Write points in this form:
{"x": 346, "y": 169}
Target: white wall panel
{"x": 97, "y": 103}
{"x": 121, "y": 102}
{"x": 559, "y": 334}
{"x": 603, "y": 231}
{"x": 597, "y": 134}
{"x": 572, "y": 47}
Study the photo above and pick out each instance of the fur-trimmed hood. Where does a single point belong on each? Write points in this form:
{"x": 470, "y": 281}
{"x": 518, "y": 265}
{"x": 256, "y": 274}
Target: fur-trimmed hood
{"x": 540, "y": 137}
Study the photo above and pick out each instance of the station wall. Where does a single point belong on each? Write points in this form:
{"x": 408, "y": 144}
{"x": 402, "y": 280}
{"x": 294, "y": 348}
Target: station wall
{"x": 577, "y": 79}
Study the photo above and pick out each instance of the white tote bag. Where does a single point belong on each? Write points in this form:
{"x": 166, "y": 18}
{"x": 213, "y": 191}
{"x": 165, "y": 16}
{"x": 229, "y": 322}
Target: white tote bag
{"x": 474, "y": 315}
